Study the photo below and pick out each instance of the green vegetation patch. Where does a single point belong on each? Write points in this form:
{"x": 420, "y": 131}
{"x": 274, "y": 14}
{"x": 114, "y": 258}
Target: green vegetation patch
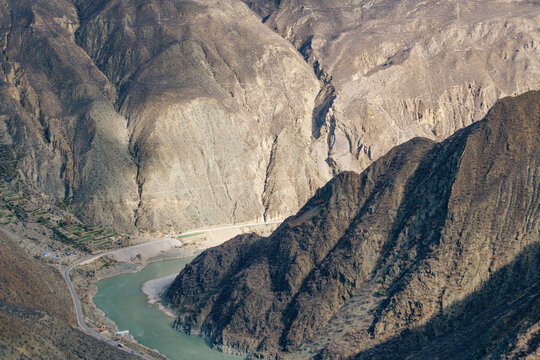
{"x": 188, "y": 235}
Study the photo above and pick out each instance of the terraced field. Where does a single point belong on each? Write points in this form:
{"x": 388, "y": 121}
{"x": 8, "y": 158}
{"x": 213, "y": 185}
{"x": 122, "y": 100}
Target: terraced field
{"x": 15, "y": 205}
{"x": 89, "y": 238}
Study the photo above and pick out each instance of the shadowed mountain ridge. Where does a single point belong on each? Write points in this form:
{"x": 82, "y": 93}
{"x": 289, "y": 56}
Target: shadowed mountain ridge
{"x": 375, "y": 254}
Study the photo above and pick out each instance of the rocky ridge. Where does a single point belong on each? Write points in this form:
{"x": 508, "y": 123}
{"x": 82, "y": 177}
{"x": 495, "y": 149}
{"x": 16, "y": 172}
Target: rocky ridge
{"x": 431, "y": 252}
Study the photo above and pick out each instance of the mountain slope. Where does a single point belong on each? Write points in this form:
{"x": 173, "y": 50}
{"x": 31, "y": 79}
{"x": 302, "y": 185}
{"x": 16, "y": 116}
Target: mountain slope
{"x": 427, "y": 232}
{"x": 131, "y": 111}
{"x": 395, "y": 69}
{"x": 213, "y": 100}
{"x": 57, "y": 113}
{"x": 37, "y": 318}
{"x": 164, "y": 115}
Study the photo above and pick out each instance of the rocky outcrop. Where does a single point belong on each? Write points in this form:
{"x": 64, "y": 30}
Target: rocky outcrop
{"x": 399, "y": 260}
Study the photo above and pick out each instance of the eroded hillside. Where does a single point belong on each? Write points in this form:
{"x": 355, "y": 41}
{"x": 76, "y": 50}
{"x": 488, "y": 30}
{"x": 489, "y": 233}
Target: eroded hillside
{"x": 431, "y": 252}
{"x": 161, "y": 116}
{"x": 398, "y": 69}
{"x": 165, "y": 115}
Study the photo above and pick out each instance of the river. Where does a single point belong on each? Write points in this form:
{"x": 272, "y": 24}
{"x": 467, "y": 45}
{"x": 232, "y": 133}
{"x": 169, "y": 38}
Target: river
{"x": 123, "y": 301}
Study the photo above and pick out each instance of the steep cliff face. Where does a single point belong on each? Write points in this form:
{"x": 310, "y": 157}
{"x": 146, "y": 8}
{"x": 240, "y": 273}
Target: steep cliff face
{"x": 393, "y": 261}
{"x": 160, "y": 115}
{"x": 165, "y": 115}
{"x": 399, "y": 69}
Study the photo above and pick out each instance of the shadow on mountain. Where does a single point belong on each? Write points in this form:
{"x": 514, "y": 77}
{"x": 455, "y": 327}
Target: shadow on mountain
{"x": 497, "y": 319}
{"x": 373, "y": 254}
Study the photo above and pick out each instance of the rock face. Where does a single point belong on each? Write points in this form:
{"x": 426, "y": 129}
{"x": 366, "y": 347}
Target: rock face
{"x": 157, "y": 115}
{"x": 431, "y": 252}
{"x": 398, "y": 69}
{"x": 164, "y": 115}
{"x": 56, "y": 108}
{"x": 213, "y": 117}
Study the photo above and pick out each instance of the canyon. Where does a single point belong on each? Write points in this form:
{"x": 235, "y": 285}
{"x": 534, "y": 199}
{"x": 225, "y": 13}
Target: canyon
{"x": 157, "y": 117}
{"x": 397, "y": 138}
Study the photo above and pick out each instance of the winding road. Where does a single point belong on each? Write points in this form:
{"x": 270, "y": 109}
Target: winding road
{"x": 77, "y": 302}
{"x": 78, "y": 309}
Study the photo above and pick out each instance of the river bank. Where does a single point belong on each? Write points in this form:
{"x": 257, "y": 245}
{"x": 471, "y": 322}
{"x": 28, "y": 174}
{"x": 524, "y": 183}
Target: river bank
{"x": 122, "y": 300}
{"x": 136, "y": 258}
{"x": 155, "y": 291}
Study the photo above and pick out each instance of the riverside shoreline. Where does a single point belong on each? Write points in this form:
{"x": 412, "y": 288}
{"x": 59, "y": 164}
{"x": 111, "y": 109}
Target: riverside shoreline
{"x": 155, "y": 290}
{"x": 125, "y": 260}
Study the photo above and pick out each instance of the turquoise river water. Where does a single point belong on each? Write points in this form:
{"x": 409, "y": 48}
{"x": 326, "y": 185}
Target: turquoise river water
{"x": 123, "y": 301}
